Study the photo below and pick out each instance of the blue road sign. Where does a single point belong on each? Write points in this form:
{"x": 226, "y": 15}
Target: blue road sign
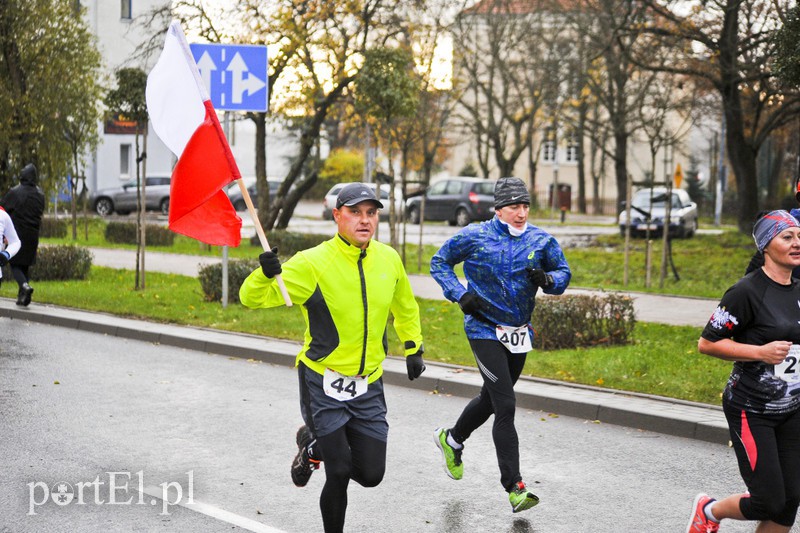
{"x": 235, "y": 75}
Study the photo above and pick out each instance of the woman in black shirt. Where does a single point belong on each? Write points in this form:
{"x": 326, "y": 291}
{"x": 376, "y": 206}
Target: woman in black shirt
{"x": 757, "y": 326}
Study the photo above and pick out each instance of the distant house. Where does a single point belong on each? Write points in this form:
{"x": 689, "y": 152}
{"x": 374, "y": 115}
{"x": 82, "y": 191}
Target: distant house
{"x": 518, "y": 59}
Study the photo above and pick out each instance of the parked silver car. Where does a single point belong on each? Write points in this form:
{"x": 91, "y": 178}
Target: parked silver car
{"x": 330, "y": 201}
{"x": 682, "y": 216}
{"x": 122, "y": 199}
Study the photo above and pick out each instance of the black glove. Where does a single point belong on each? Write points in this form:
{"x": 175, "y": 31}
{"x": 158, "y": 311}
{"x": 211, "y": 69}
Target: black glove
{"x": 270, "y": 264}
{"x": 471, "y": 303}
{"x": 414, "y": 365}
{"x": 540, "y": 278}
{"x": 4, "y": 257}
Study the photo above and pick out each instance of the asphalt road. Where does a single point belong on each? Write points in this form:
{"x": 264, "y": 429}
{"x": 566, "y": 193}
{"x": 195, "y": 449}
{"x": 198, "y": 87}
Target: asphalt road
{"x": 75, "y": 406}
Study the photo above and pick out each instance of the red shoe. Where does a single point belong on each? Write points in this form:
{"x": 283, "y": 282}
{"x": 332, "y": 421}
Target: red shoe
{"x": 698, "y": 522}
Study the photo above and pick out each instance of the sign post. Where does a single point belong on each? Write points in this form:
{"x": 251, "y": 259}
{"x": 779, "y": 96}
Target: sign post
{"x": 236, "y": 79}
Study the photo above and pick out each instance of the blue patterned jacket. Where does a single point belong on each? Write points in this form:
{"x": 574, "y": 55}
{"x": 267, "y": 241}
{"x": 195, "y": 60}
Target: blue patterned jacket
{"x": 494, "y": 265}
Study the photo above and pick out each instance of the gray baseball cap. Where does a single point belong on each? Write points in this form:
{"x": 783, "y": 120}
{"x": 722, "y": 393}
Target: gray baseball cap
{"x": 355, "y": 193}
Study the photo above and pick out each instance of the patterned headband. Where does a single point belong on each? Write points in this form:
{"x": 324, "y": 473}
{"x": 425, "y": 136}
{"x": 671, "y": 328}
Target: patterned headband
{"x": 770, "y": 225}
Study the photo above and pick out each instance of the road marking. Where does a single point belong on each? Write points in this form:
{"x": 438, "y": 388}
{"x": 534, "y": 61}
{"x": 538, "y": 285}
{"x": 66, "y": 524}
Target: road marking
{"x": 216, "y": 513}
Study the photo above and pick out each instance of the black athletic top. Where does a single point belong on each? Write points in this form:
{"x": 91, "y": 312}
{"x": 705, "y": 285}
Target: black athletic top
{"x": 757, "y": 310}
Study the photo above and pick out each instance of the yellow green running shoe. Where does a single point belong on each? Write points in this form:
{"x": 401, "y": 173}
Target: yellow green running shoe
{"x": 521, "y": 498}
{"x": 451, "y": 456}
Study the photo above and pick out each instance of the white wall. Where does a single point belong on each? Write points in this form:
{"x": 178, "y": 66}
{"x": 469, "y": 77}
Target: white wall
{"x": 118, "y": 39}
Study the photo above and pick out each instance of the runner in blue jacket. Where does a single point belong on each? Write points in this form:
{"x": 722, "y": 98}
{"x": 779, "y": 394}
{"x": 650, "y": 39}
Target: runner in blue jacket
{"x": 506, "y": 262}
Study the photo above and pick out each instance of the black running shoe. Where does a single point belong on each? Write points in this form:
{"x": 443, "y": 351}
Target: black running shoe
{"x": 304, "y": 464}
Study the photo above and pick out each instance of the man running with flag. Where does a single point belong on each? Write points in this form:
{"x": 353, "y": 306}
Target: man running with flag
{"x": 347, "y": 287}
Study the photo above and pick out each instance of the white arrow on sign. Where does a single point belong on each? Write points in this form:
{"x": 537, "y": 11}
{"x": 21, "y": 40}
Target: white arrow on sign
{"x": 238, "y": 67}
{"x": 206, "y": 65}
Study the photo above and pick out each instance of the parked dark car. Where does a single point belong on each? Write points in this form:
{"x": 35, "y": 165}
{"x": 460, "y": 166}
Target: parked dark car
{"x": 682, "y": 215}
{"x": 458, "y": 200}
{"x": 122, "y": 199}
{"x": 235, "y": 193}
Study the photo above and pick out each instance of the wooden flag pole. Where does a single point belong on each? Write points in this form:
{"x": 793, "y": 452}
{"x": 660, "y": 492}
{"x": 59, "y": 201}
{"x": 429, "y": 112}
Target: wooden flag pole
{"x": 262, "y": 237}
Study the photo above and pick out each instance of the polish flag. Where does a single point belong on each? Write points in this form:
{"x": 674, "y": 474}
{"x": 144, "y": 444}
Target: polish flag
{"x": 183, "y": 118}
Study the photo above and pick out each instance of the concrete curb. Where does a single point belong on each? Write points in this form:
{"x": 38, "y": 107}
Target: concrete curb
{"x": 639, "y": 411}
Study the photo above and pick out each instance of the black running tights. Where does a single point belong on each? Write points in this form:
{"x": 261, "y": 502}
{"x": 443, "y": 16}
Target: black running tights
{"x": 500, "y": 370}
{"x": 347, "y": 454}
{"x": 20, "y": 274}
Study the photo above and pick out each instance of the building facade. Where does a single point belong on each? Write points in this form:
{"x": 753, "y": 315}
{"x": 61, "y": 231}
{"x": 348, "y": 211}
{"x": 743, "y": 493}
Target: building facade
{"x": 118, "y": 27}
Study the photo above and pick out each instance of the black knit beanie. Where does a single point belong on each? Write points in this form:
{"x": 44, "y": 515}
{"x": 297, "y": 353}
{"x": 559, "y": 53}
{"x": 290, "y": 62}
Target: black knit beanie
{"x": 508, "y": 191}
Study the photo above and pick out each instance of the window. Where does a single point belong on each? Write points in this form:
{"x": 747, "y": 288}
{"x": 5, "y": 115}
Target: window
{"x": 454, "y": 187}
{"x": 548, "y": 151}
{"x": 484, "y": 188}
{"x": 125, "y": 160}
{"x": 438, "y": 187}
{"x": 572, "y": 149}
{"x": 126, "y": 9}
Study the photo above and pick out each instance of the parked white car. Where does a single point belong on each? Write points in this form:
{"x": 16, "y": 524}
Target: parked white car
{"x": 651, "y": 204}
{"x": 330, "y": 201}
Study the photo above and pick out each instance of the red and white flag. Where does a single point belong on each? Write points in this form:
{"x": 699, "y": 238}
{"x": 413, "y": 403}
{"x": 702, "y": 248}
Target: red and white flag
{"x": 183, "y": 118}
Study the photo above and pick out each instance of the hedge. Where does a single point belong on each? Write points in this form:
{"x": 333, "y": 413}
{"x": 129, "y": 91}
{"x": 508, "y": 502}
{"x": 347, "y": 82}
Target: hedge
{"x": 211, "y": 278}
{"x": 53, "y": 228}
{"x": 57, "y": 263}
{"x": 573, "y": 321}
{"x": 125, "y": 233}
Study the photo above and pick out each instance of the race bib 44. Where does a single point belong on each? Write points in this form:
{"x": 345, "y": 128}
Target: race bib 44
{"x": 343, "y": 388}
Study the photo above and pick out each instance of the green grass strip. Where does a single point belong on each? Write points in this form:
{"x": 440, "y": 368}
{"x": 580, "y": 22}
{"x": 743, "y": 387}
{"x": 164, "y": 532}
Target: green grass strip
{"x": 662, "y": 360}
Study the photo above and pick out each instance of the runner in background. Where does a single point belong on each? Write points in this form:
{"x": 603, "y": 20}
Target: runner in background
{"x": 757, "y": 326}
{"x": 506, "y": 261}
{"x": 9, "y": 241}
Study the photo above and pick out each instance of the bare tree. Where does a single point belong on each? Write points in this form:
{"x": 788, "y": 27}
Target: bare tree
{"x": 729, "y": 45}
{"x": 615, "y": 82}
{"x": 505, "y": 71}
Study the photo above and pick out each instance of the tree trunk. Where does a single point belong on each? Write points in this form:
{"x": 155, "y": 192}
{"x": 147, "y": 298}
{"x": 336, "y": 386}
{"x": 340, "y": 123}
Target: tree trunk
{"x": 262, "y": 187}
{"x": 742, "y": 158}
{"x": 579, "y": 155}
{"x": 308, "y": 138}
{"x": 620, "y": 165}
{"x": 290, "y": 202}
{"x": 741, "y": 153}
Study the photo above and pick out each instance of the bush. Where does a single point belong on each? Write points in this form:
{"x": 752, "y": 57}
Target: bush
{"x": 53, "y": 228}
{"x": 125, "y": 233}
{"x": 211, "y": 279}
{"x": 56, "y": 263}
{"x": 289, "y": 243}
{"x": 582, "y": 320}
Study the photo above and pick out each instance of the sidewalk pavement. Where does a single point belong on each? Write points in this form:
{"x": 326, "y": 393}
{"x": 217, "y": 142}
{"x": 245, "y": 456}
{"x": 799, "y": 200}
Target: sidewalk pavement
{"x": 639, "y": 411}
{"x": 672, "y": 310}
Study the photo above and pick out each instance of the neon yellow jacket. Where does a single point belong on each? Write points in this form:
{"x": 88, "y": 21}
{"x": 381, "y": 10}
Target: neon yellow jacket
{"x": 346, "y": 297}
